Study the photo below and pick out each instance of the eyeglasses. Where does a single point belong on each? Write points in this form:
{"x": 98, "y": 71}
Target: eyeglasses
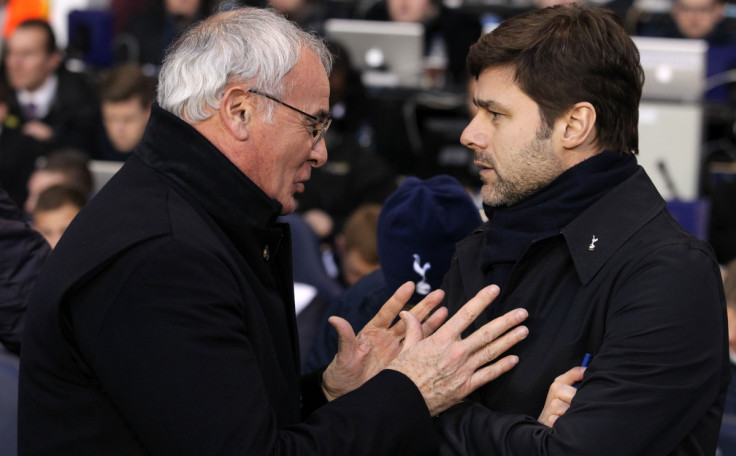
{"x": 317, "y": 133}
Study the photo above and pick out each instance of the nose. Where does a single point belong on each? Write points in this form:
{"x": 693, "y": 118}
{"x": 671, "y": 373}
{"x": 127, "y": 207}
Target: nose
{"x": 472, "y": 137}
{"x": 318, "y": 156}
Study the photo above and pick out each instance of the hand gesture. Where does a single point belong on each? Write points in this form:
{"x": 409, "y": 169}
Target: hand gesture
{"x": 361, "y": 357}
{"x": 445, "y": 367}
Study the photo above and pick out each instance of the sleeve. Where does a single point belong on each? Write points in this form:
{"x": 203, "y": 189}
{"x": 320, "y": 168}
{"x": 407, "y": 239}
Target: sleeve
{"x": 653, "y": 386}
{"x": 174, "y": 357}
{"x": 24, "y": 251}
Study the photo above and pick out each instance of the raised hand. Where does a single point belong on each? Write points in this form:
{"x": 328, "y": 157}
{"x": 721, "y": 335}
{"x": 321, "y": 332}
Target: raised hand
{"x": 361, "y": 357}
{"x": 445, "y": 367}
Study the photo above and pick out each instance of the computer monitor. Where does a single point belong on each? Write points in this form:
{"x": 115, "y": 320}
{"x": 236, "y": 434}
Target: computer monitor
{"x": 674, "y": 69}
{"x": 386, "y": 53}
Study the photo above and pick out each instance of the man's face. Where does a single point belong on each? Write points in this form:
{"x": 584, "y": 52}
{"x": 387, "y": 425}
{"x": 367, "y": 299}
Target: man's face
{"x": 408, "y": 10}
{"x": 513, "y": 148}
{"x": 283, "y": 147}
{"x": 697, "y": 18}
{"x": 52, "y": 223}
{"x": 27, "y": 61}
{"x": 125, "y": 122}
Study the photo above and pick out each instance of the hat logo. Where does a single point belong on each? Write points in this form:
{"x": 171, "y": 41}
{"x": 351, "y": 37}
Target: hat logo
{"x": 422, "y": 287}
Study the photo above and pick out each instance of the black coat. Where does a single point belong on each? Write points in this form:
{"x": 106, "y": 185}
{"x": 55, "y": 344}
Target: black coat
{"x": 22, "y": 254}
{"x": 164, "y": 324}
{"x": 73, "y": 116}
{"x": 646, "y": 301}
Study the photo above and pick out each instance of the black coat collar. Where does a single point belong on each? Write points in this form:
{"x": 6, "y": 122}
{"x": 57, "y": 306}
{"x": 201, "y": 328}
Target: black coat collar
{"x": 197, "y": 168}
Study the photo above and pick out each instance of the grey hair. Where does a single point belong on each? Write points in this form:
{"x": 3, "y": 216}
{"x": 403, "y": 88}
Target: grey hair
{"x": 247, "y": 44}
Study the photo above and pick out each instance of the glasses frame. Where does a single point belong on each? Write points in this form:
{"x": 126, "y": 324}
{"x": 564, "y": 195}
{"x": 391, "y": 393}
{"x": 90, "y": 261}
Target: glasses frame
{"x": 317, "y": 134}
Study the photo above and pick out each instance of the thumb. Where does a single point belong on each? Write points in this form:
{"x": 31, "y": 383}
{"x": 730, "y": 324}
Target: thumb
{"x": 414, "y": 332}
{"x": 345, "y": 335}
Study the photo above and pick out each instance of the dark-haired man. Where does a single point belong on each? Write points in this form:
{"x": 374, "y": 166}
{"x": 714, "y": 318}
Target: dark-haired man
{"x": 57, "y": 108}
{"x": 578, "y": 235}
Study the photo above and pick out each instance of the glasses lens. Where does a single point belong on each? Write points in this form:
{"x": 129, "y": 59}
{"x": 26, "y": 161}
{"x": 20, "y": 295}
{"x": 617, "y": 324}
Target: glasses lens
{"x": 321, "y": 133}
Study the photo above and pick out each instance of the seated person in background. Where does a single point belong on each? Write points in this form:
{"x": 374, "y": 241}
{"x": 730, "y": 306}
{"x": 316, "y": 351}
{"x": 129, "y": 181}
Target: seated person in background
{"x": 356, "y": 244}
{"x": 18, "y": 152}
{"x": 56, "y": 208}
{"x": 355, "y": 173}
{"x": 66, "y": 166}
{"x": 307, "y": 14}
{"x": 693, "y": 19}
{"x": 23, "y": 253}
{"x": 418, "y": 227}
{"x": 148, "y": 33}
{"x": 126, "y": 96}
{"x": 448, "y": 33}
{"x": 56, "y": 107}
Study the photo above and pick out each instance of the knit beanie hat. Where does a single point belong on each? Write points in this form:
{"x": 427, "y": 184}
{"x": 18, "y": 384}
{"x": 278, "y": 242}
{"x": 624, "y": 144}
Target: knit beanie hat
{"x": 418, "y": 227}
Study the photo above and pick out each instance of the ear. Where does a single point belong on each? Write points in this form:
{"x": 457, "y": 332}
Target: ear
{"x": 237, "y": 111}
{"x": 579, "y": 124}
{"x": 54, "y": 61}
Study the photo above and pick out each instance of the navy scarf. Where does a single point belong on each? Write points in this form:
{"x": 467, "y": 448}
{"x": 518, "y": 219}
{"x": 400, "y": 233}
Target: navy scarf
{"x": 546, "y": 212}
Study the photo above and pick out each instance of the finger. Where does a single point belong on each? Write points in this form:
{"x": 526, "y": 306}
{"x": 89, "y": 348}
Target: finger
{"x": 426, "y": 305}
{"x": 490, "y": 351}
{"x": 572, "y": 376}
{"x": 388, "y": 312}
{"x": 491, "y": 372}
{"x": 414, "y": 331}
{"x": 494, "y": 329}
{"x": 345, "y": 334}
{"x": 434, "y": 321}
{"x": 468, "y": 313}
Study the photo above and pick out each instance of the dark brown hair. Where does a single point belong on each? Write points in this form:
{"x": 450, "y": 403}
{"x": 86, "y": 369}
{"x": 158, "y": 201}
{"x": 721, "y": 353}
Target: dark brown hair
{"x": 59, "y": 195}
{"x": 567, "y": 54}
{"x": 124, "y": 82}
{"x": 45, "y": 27}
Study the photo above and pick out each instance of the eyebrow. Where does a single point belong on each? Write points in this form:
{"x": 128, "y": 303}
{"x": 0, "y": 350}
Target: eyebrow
{"x": 490, "y": 105}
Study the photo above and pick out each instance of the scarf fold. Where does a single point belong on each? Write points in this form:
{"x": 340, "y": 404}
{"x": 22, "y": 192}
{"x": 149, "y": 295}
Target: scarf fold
{"x": 545, "y": 213}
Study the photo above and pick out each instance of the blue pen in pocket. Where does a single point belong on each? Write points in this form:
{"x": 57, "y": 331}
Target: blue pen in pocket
{"x": 586, "y": 361}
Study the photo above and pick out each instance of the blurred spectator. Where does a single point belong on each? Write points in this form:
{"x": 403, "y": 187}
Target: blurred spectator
{"x": 308, "y": 14}
{"x": 149, "y": 32}
{"x": 693, "y": 19}
{"x": 356, "y": 244}
{"x": 729, "y": 286}
{"x": 417, "y": 230}
{"x": 23, "y": 253}
{"x": 126, "y": 96}
{"x": 55, "y": 209}
{"x": 66, "y": 166}
{"x": 354, "y": 174}
{"x": 18, "y": 153}
{"x": 56, "y": 107}
{"x": 448, "y": 33}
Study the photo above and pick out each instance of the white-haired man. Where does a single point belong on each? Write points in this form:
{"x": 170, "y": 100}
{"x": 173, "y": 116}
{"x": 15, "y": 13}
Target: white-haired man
{"x": 164, "y": 322}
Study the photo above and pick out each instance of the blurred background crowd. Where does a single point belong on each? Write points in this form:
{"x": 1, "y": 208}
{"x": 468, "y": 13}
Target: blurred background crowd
{"x": 78, "y": 81}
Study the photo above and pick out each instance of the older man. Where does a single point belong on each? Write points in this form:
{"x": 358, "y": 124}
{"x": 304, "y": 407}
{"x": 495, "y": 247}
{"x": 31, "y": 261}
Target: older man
{"x": 164, "y": 322}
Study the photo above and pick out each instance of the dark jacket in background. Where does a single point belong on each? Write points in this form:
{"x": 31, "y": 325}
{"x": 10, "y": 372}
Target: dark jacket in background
{"x": 647, "y": 302}
{"x": 74, "y": 113}
{"x": 164, "y": 324}
{"x": 22, "y": 254}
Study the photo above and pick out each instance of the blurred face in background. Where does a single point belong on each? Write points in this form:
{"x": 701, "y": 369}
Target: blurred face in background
{"x": 52, "y": 223}
{"x": 28, "y": 62}
{"x": 411, "y": 10}
{"x": 697, "y": 18}
{"x": 287, "y": 6}
{"x": 186, "y": 8}
{"x": 125, "y": 122}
